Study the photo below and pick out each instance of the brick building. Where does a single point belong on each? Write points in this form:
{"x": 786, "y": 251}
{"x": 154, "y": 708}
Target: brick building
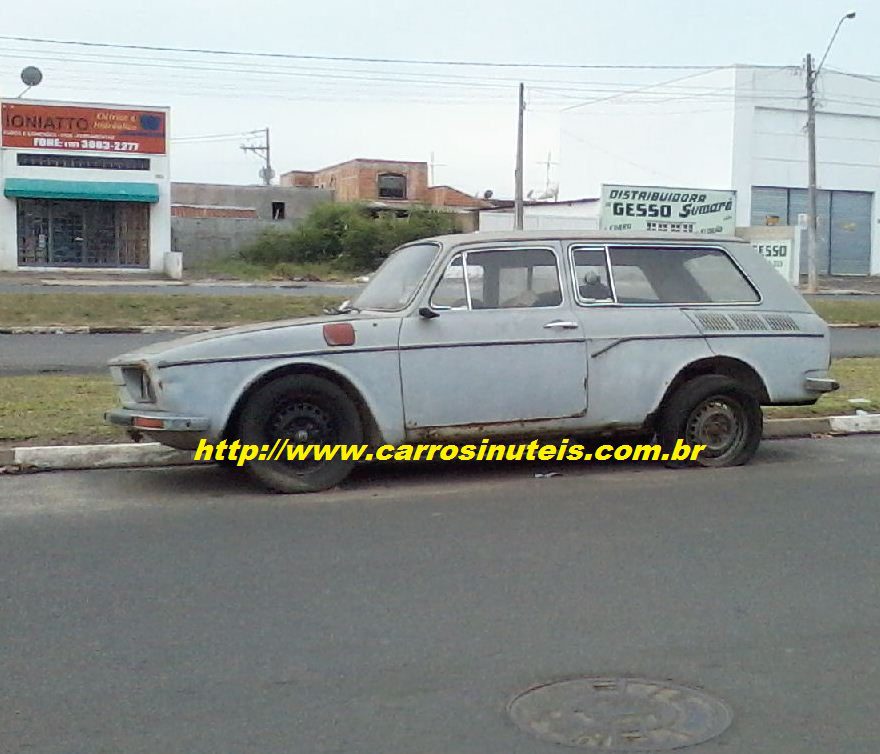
{"x": 389, "y": 183}
{"x": 367, "y": 180}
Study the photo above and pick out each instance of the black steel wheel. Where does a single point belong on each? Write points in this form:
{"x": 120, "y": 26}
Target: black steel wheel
{"x": 303, "y": 410}
{"x": 717, "y": 412}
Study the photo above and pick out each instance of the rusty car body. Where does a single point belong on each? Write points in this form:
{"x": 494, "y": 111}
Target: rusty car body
{"x": 478, "y": 335}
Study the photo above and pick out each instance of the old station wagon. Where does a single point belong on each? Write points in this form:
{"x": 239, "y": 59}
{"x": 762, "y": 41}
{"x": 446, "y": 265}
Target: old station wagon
{"x": 520, "y": 334}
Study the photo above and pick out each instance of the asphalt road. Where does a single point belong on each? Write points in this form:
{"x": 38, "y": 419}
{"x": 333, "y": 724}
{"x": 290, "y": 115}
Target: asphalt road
{"x": 32, "y": 354}
{"x": 342, "y": 290}
{"x": 184, "y": 611}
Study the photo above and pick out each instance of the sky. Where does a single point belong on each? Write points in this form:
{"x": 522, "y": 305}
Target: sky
{"x": 321, "y": 111}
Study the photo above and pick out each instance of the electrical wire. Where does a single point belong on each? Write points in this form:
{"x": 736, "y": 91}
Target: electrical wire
{"x": 350, "y": 59}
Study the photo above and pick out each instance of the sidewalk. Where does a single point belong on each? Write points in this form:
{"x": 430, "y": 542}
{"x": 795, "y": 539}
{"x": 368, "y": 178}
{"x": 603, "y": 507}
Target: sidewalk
{"x": 841, "y": 285}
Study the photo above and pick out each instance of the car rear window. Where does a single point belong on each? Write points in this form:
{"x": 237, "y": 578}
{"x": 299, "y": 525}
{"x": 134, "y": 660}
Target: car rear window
{"x": 677, "y": 275}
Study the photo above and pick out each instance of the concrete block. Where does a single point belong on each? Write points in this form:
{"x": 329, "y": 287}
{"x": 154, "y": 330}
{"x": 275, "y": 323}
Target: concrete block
{"x": 121, "y": 455}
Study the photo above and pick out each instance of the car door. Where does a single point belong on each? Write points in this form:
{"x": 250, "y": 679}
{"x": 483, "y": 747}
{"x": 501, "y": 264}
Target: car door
{"x": 629, "y": 300}
{"x": 503, "y": 348}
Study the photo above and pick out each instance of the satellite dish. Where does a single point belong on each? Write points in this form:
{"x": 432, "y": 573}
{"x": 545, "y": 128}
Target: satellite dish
{"x": 31, "y": 76}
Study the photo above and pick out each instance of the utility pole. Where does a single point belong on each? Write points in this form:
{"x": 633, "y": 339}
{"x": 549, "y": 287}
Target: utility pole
{"x": 266, "y": 173}
{"x": 812, "y": 223}
{"x": 518, "y": 175}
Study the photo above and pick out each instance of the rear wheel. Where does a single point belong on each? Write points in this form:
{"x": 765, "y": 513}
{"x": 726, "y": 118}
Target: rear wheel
{"x": 304, "y": 410}
{"x": 715, "y": 411}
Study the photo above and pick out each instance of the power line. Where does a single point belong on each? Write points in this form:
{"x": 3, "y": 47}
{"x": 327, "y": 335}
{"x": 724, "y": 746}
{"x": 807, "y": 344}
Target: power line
{"x": 635, "y": 91}
{"x": 212, "y": 137}
{"x": 353, "y": 59}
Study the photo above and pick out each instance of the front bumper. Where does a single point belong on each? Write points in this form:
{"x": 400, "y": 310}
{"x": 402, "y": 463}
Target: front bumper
{"x": 155, "y": 421}
{"x": 821, "y": 385}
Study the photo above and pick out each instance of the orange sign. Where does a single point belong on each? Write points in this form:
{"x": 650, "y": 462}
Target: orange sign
{"x": 82, "y": 129}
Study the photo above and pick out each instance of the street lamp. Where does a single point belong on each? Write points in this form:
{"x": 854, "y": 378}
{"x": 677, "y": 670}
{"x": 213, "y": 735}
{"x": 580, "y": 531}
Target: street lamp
{"x": 812, "y": 276}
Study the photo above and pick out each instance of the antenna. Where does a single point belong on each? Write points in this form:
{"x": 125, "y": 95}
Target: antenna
{"x": 30, "y": 77}
{"x": 431, "y": 166}
{"x": 547, "y": 163}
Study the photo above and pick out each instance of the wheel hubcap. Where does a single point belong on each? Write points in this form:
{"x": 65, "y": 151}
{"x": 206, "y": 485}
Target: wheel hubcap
{"x": 719, "y": 424}
{"x": 302, "y": 423}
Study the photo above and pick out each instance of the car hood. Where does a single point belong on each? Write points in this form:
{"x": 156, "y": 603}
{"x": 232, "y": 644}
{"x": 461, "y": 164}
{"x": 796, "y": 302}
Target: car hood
{"x": 282, "y": 337}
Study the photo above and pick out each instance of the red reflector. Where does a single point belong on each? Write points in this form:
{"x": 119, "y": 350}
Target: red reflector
{"x": 339, "y": 334}
{"x": 147, "y": 423}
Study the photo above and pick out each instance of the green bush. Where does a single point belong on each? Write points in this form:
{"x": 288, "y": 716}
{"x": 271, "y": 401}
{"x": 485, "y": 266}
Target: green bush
{"x": 347, "y": 237}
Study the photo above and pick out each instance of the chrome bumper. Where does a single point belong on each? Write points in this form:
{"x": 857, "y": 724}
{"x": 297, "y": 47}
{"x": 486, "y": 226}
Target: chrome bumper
{"x": 155, "y": 421}
{"x": 821, "y": 384}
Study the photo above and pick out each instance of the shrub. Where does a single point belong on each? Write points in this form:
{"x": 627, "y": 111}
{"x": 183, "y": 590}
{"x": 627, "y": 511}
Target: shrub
{"x": 347, "y": 236}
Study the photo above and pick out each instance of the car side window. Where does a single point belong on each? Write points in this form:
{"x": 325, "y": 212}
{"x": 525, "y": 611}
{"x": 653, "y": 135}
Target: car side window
{"x": 451, "y": 291}
{"x": 500, "y": 279}
{"x": 591, "y": 275}
{"x": 677, "y": 275}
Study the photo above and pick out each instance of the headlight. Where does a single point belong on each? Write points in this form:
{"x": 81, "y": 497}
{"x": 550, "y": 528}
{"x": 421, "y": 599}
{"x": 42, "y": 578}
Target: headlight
{"x": 139, "y": 384}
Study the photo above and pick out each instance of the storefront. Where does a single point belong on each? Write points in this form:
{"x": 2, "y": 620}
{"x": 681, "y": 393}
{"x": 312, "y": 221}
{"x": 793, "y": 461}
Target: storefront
{"x": 84, "y": 186}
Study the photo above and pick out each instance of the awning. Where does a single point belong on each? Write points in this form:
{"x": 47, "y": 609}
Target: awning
{"x": 101, "y": 191}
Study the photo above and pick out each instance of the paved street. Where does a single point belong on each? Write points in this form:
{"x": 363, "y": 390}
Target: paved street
{"x": 31, "y": 354}
{"x": 343, "y": 290}
{"x": 182, "y": 610}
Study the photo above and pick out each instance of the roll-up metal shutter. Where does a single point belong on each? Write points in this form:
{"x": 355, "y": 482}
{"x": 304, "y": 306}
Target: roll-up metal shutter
{"x": 799, "y": 204}
{"x": 851, "y": 232}
{"x": 769, "y": 206}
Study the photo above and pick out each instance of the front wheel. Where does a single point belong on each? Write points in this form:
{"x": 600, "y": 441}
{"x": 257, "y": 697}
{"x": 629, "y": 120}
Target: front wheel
{"x": 717, "y": 412}
{"x": 304, "y": 410}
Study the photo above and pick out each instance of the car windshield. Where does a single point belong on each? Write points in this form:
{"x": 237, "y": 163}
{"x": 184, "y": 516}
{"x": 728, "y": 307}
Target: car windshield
{"x": 395, "y": 282}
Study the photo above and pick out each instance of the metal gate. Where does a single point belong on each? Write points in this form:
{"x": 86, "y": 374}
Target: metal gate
{"x": 843, "y": 239}
{"x": 66, "y": 233}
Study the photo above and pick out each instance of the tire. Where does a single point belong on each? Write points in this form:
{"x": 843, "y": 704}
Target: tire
{"x": 303, "y": 409}
{"x": 715, "y": 411}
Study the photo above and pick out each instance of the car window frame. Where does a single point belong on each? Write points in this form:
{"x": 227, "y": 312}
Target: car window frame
{"x": 579, "y": 300}
{"x": 422, "y": 282}
{"x": 464, "y": 252}
{"x": 607, "y": 246}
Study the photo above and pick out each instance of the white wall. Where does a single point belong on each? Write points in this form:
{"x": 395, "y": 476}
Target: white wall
{"x": 770, "y": 147}
{"x": 160, "y": 213}
{"x": 576, "y": 216}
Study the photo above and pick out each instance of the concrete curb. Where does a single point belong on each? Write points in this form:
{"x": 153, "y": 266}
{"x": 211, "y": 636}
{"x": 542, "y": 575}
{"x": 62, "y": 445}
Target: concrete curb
{"x": 144, "y": 454}
{"x": 110, "y": 329}
{"x": 109, "y": 456}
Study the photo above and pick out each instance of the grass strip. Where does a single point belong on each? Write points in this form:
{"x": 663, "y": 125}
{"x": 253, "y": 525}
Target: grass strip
{"x": 68, "y": 409}
{"x": 132, "y": 309}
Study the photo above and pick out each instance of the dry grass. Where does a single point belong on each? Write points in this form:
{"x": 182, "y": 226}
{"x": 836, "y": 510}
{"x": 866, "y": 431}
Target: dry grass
{"x": 129, "y": 309}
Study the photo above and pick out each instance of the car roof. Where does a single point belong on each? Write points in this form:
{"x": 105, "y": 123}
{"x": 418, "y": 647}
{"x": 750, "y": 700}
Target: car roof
{"x": 496, "y": 236}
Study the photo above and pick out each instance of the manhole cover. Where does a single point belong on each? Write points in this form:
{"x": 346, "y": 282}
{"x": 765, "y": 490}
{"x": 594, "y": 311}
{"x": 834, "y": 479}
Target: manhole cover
{"x": 619, "y": 714}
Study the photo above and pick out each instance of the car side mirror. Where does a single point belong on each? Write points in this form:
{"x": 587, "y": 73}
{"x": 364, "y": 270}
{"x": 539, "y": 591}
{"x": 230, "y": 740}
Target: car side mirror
{"x": 428, "y": 313}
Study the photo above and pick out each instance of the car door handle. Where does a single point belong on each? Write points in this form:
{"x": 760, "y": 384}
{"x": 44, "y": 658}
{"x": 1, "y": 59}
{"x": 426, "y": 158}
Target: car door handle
{"x": 561, "y": 324}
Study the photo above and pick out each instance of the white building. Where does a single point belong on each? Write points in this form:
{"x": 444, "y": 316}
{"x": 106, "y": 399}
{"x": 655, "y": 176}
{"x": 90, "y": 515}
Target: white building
{"x": 84, "y": 186}
{"x": 743, "y": 128}
{"x": 574, "y": 214}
